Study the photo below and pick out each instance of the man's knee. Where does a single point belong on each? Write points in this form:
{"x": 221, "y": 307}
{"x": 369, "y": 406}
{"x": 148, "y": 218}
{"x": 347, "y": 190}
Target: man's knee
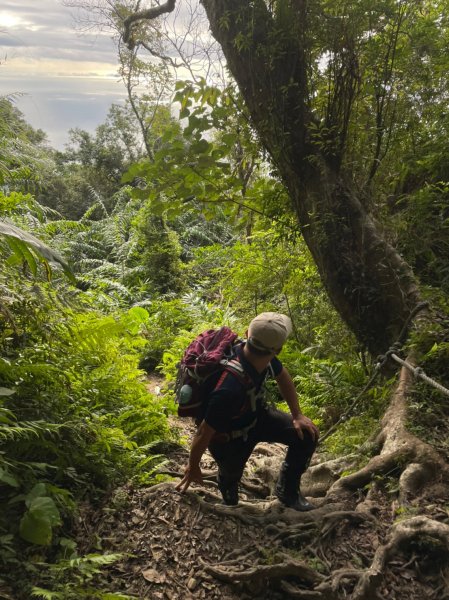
{"x": 304, "y": 447}
{"x": 310, "y": 442}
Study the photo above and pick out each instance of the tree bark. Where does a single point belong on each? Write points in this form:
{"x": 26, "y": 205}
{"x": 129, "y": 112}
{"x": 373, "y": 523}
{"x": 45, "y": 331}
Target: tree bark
{"x": 368, "y": 282}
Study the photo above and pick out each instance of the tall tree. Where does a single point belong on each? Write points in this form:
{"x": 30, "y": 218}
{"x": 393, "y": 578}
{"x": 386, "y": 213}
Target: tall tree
{"x": 270, "y": 52}
{"x": 279, "y": 59}
{"x": 333, "y": 88}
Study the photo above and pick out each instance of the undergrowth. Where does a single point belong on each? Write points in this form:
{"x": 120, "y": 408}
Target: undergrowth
{"x": 76, "y": 420}
{"x": 429, "y": 408}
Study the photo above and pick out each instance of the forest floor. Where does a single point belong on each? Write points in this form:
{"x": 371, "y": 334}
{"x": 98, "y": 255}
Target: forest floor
{"x": 190, "y": 546}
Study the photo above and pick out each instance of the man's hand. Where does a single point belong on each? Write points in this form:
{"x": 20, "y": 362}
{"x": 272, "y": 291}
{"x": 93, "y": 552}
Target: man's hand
{"x": 191, "y": 475}
{"x": 303, "y": 423}
{"x": 201, "y": 440}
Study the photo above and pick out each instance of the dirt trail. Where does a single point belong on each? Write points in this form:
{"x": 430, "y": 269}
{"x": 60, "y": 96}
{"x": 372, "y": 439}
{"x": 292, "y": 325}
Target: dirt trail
{"x": 374, "y": 534}
{"x": 189, "y": 546}
{"x": 172, "y": 536}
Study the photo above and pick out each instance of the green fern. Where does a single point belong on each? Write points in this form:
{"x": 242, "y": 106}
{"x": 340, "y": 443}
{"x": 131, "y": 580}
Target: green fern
{"x": 38, "y": 592}
{"x": 27, "y": 431}
{"x": 71, "y": 579}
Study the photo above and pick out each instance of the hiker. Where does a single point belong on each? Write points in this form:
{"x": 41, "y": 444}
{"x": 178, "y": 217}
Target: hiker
{"x": 235, "y": 419}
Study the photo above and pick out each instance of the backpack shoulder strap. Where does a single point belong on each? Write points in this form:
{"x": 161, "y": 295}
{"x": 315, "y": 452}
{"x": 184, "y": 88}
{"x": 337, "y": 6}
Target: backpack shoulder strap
{"x": 235, "y": 368}
{"x": 270, "y": 372}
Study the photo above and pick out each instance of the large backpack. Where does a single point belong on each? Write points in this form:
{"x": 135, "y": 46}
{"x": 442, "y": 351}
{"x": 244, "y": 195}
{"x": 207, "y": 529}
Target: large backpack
{"x": 210, "y": 353}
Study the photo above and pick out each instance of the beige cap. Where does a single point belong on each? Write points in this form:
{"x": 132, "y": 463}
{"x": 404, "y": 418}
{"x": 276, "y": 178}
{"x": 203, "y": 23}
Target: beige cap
{"x": 269, "y": 331}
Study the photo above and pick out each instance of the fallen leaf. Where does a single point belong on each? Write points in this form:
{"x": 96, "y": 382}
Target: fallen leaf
{"x": 192, "y": 583}
{"x": 153, "y": 576}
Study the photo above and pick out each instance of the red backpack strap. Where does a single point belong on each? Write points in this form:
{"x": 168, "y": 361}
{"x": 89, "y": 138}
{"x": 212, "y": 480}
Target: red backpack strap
{"x": 235, "y": 368}
{"x": 220, "y": 381}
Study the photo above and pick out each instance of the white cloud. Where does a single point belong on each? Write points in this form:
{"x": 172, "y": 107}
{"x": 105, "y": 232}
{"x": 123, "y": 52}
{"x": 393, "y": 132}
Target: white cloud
{"x": 62, "y": 71}
{"x": 9, "y": 20}
{"x": 68, "y": 79}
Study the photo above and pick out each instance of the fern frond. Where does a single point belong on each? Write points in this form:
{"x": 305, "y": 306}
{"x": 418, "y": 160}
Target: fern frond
{"x": 99, "y": 560}
{"x": 38, "y": 592}
{"x": 97, "y": 204}
{"x": 116, "y": 596}
{"x": 62, "y": 226}
{"x": 110, "y": 285}
{"x": 27, "y": 430}
{"x": 96, "y": 198}
{"x": 82, "y": 247}
{"x": 89, "y": 263}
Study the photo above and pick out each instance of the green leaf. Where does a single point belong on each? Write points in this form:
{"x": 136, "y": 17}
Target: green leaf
{"x": 35, "y": 529}
{"x": 7, "y": 478}
{"x": 40, "y": 489}
{"x": 134, "y": 318}
{"x": 45, "y": 508}
{"x": 200, "y": 147}
{"x": 11, "y": 232}
{"x": 38, "y": 592}
{"x": 36, "y": 526}
{"x": 229, "y": 139}
{"x": 21, "y": 250}
{"x": 6, "y": 391}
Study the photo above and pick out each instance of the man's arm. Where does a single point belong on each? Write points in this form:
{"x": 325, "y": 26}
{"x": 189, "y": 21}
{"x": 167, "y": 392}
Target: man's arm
{"x": 200, "y": 443}
{"x": 288, "y": 391}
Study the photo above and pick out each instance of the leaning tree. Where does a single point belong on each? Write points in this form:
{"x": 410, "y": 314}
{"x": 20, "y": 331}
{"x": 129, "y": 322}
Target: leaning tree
{"x": 332, "y": 90}
{"x": 302, "y": 90}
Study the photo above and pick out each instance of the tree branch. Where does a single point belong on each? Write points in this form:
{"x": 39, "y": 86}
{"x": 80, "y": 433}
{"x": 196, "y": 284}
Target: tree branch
{"x": 145, "y": 15}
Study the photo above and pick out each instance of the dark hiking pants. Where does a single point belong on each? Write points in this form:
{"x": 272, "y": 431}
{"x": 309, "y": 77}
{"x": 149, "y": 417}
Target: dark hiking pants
{"x": 272, "y": 426}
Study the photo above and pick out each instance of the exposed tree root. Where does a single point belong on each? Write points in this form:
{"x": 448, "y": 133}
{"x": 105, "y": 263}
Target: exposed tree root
{"x": 321, "y": 592}
{"x": 301, "y": 532}
{"x": 347, "y": 512}
{"x": 404, "y": 535}
{"x": 317, "y": 480}
{"x": 263, "y": 513}
{"x": 335, "y": 519}
{"x": 289, "y": 567}
{"x": 401, "y": 453}
{"x": 421, "y": 530}
{"x": 256, "y": 489}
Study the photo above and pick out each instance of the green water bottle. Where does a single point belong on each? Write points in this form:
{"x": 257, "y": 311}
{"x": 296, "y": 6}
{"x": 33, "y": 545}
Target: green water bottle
{"x": 185, "y": 393}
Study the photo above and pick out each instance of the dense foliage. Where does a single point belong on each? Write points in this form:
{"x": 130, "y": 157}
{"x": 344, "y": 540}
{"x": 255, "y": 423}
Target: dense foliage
{"x": 117, "y": 251}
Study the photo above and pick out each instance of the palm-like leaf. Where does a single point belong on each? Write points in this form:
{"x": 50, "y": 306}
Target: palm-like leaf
{"x": 24, "y": 245}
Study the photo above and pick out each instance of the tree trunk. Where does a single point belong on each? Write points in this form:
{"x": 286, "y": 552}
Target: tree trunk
{"x": 370, "y": 285}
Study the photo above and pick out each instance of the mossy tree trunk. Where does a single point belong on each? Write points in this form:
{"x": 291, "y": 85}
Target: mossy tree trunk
{"x": 367, "y": 280}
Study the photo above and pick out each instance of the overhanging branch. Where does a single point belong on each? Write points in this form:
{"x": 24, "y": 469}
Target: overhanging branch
{"x": 145, "y": 15}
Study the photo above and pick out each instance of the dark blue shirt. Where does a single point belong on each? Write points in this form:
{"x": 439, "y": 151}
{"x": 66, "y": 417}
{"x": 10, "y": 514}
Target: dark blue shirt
{"x": 228, "y": 398}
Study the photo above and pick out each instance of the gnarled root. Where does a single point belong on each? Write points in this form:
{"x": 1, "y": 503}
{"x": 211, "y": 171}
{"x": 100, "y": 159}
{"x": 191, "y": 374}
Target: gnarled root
{"x": 318, "y": 478}
{"x": 262, "y": 574}
{"x": 414, "y": 461}
{"x": 321, "y": 592}
{"x": 336, "y": 518}
{"x": 403, "y": 534}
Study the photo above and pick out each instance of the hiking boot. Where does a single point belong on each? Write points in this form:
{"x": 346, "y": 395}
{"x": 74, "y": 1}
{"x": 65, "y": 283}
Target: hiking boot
{"x": 230, "y": 496}
{"x": 287, "y": 490}
{"x": 299, "y": 503}
{"x": 229, "y": 490}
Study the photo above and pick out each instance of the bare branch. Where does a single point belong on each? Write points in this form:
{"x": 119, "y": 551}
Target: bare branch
{"x": 145, "y": 15}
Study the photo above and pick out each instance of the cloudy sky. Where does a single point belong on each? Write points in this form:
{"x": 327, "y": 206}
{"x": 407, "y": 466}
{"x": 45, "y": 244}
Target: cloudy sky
{"x": 63, "y": 78}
